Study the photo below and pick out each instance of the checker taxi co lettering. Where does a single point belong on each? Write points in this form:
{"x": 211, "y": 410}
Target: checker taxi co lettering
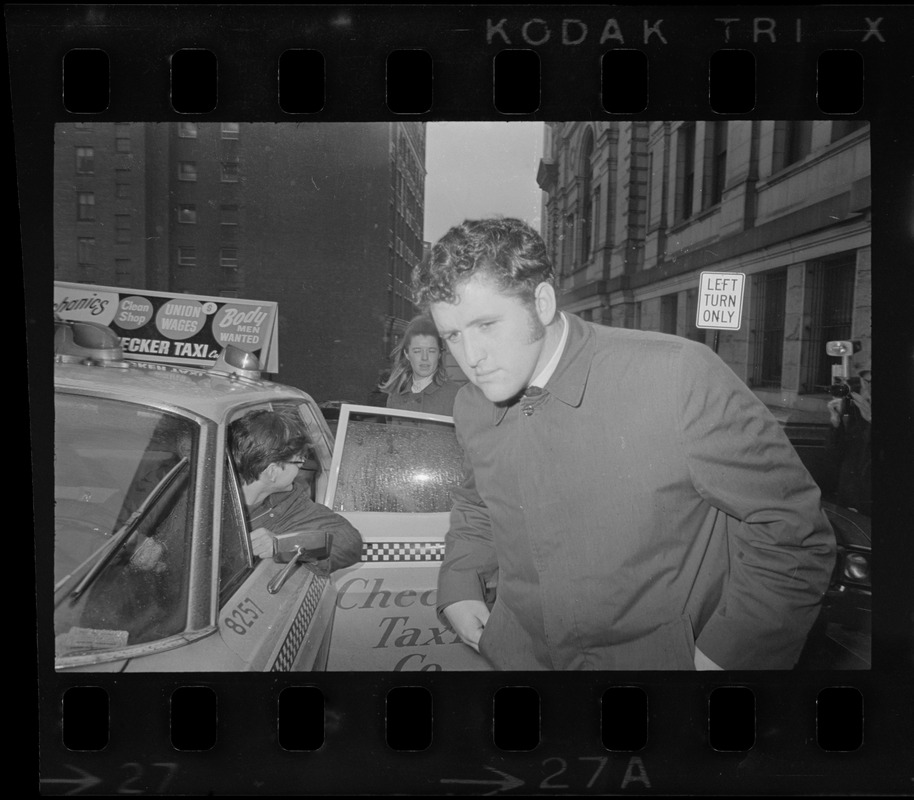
{"x": 403, "y": 623}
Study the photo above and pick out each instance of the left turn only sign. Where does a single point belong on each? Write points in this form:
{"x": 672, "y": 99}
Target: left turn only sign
{"x": 720, "y": 300}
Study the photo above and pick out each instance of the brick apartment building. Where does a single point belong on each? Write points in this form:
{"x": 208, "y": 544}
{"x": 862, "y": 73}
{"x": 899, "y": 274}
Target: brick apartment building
{"x": 634, "y": 211}
{"x": 325, "y": 219}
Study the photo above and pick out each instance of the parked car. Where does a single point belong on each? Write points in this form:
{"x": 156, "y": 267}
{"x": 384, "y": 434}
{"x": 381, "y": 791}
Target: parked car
{"x": 153, "y": 569}
{"x": 842, "y": 635}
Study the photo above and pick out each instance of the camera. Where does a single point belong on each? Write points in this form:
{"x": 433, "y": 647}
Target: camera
{"x": 844, "y": 386}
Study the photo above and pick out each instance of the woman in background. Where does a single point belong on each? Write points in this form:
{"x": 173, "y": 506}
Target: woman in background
{"x": 418, "y": 380}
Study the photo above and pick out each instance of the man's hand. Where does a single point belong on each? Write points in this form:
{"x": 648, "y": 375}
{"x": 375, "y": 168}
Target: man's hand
{"x": 468, "y": 618}
{"x": 262, "y": 543}
{"x": 834, "y": 412}
{"x": 702, "y": 662}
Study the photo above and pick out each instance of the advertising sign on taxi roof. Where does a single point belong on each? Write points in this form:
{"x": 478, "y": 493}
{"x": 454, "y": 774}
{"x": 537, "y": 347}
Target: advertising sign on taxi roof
{"x": 165, "y": 327}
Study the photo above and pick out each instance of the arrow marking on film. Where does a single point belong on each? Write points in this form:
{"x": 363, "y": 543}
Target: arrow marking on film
{"x": 506, "y": 783}
{"x": 84, "y": 782}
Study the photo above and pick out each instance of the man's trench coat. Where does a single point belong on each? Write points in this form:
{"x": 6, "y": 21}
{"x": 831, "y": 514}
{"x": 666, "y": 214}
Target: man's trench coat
{"x": 647, "y": 502}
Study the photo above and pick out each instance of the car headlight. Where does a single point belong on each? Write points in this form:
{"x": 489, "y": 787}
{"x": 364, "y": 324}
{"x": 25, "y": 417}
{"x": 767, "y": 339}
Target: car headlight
{"x": 856, "y": 567}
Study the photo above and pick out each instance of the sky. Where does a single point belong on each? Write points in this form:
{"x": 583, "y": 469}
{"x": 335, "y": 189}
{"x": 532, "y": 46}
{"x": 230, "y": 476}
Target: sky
{"x": 481, "y": 169}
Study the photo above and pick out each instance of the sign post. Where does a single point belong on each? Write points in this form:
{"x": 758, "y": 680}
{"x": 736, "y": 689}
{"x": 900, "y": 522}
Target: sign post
{"x": 720, "y": 302}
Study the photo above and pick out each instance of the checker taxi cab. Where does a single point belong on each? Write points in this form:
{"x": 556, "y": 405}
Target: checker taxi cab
{"x": 153, "y": 569}
{"x": 153, "y": 566}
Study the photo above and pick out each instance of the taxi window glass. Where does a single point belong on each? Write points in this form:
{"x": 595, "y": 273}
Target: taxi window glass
{"x": 320, "y": 452}
{"x": 110, "y": 458}
{"x": 399, "y": 467}
{"x": 234, "y": 563}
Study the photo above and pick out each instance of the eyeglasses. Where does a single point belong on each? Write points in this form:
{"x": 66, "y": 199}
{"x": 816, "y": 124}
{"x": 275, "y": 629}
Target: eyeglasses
{"x": 302, "y": 464}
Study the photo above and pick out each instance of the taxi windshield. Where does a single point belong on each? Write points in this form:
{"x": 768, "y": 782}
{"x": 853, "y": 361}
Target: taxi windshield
{"x": 111, "y": 460}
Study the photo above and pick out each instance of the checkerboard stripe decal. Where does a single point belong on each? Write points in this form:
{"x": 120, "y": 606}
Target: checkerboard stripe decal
{"x": 300, "y": 625}
{"x": 402, "y": 551}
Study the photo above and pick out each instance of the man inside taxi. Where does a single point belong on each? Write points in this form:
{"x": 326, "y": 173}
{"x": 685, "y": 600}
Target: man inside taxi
{"x": 269, "y": 449}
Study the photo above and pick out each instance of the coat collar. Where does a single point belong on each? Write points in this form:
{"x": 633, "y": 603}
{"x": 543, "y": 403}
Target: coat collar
{"x": 570, "y": 377}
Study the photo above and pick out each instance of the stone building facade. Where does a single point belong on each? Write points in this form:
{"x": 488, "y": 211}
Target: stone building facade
{"x": 634, "y": 211}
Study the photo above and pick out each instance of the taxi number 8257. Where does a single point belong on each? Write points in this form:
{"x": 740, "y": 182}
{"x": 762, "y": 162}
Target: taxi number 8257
{"x": 243, "y": 616}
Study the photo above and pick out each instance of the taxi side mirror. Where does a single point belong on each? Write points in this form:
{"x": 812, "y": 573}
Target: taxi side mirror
{"x": 297, "y": 548}
{"x": 303, "y": 546}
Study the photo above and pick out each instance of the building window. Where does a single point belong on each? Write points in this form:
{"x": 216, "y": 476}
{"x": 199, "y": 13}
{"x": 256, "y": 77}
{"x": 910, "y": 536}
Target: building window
{"x": 122, "y": 228}
{"x": 187, "y": 130}
{"x": 230, "y": 130}
{"x": 770, "y": 307}
{"x": 845, "y": 127}
{"x": 669, "y": 312}
{"x": 85, "y": 206}
{"x": 187, "y": 256}
{"x": 692, "y": 330}
{"x": 122, "y": 190}
{"x": 122, "y": 278}
{"x": 831, "y": 294}
{"x": 187, "y": 170}
{"x": 122, "y": 137}
{"x": 568, "y": 244}
{"x": 648, "y": 192}
{"x": 717, "y": 163}
{"x": 228, "y": 215}
{"x": 85, "y": 160}
{"x": 187, "y": 214}
{"x": 586, "y": 173}
{"x": 228, "y": 258}
{"x": 686, "y": 162}
{"x": 85, "y": 251}
{"x": 597, "y": 216}
{"x": 230, "y": 172}
{"x": 797, "y": 141}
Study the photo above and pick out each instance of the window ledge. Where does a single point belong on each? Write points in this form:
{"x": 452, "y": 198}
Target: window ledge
{"x": 811, "y": 159}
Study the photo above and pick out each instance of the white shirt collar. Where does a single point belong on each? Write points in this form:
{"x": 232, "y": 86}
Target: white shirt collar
{"x": 419, "y": 385}
{"x": 546, "y": 373}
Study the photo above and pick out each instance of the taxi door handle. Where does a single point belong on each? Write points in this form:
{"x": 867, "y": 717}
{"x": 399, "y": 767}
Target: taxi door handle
{"x": 276, "y": 583}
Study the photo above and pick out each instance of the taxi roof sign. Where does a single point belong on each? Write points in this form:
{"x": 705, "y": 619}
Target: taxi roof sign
{"x": 720, "y": 300}
{"x": 174, "y": 328}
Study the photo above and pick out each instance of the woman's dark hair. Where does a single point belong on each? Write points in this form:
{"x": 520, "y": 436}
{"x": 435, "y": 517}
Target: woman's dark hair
{"x": 508, "y": 251}
{"x": 402, "y": 371}
{"x": 261, "y": 438}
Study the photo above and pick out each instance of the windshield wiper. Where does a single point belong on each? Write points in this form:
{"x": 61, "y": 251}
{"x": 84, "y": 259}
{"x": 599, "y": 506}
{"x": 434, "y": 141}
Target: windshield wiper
{"x": 129, "y": 527}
